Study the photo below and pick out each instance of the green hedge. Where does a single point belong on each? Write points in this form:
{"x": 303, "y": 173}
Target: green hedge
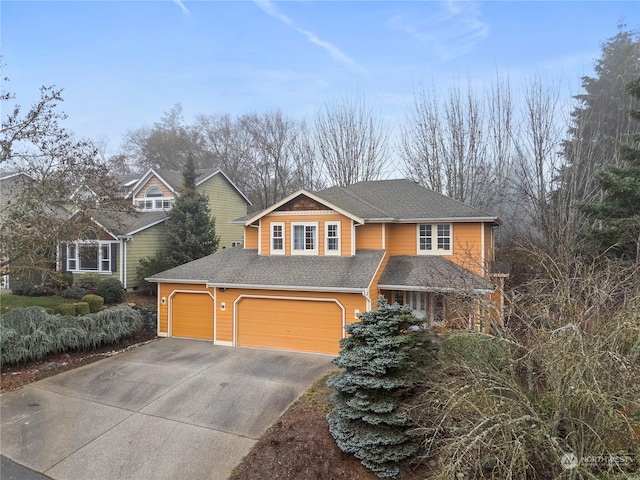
{"x": 96, "y": 302}
{"x": 31, "y": 333}
{"x": 82, "y": 308}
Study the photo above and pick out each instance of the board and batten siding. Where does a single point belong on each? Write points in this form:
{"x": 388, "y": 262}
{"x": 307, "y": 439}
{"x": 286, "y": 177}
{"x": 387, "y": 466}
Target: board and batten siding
{"x": 226, "y": 204}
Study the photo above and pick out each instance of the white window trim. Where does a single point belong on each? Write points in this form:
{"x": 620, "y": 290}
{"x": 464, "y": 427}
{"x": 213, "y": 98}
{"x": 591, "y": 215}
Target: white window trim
{"x": 271, "y": 237}
{"x": 154, "y": 203}
{"x": 338, "y": 237}
{"x": 315, "y": 240}
{"x": 434, "y": 240}
{"x": 100, "y": 259}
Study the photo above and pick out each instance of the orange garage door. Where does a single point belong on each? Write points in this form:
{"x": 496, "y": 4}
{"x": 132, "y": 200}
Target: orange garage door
{"x": 192, "y": 315}
{"x": 301, "y": 325}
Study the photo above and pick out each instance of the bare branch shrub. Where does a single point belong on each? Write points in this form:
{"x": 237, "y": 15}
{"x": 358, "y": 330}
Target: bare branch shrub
{"x": 563, "y": 378}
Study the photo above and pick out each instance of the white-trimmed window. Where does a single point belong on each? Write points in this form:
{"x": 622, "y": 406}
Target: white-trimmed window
{"x": 277, "y": 238}
{"x": 154, "y": 200}
{"x": 332, "y": 238}
{"x": 90, "y": 254}
{"x": 434, "y": 238}
{"x": 304, "y": 238}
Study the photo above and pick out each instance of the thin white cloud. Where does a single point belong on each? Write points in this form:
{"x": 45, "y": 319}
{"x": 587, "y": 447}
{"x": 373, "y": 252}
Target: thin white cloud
{"x": 181, "y": 5}
{"x": 449, "y": 33}
{"x": 268, "y": 7}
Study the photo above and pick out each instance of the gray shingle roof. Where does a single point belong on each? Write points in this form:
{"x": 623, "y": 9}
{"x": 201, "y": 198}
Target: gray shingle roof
{"x": 123, "y": 223}
{"x": 431, "y": 273}
{"x": 398, "y": 200}
{"x": 241, "y": 267}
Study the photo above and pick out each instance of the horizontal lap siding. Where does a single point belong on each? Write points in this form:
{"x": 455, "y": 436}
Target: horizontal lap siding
{"x": 144, "y": 244}
{"x": 402, "y": 239}
{"x": 320, "y": 218}
{"x": 369, "y": 236}
{"x": 467, "y": 246}
{"x": 226, "y": 204}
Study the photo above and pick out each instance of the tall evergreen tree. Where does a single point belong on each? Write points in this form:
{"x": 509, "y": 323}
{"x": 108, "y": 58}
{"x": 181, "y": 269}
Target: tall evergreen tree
{"x": 599, "y": 123}
{"x": 617, "y": 214}
{"x": 379, "y": 358}
{"x": 191, "y": 230}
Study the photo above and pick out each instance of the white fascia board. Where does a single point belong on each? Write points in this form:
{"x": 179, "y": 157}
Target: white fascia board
{"x": 309, "y": 194}
{"x": 152, "y": 224}
{"x": 435, "y": 219}
{"x": 294, "y": 288}
{"x": 113, "y": 235}
{"x": 151, "y": 172}
{"x": 417, "y": 288}
{"x": 174, "y": 280}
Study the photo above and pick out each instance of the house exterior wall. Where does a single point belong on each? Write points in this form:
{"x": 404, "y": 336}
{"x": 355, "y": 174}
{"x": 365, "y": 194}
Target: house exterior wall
{"x": 143, "y": 244}
{"x": 319, "y": 218}
{"x": 251, "y": 238}
{"x": 225, "y": 305}
{"x": 226, "y": 204}
{"x": 370, "y": 236}
{"x": 153, "y": 182}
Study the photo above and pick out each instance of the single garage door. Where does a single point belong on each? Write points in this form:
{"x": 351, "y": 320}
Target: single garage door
{"x": 301, "y": 325}
{"x": 192, "y": 315}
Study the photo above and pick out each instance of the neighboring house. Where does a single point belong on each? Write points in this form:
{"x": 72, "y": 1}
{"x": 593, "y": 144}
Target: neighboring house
{"x": 313, "y": 261}
{"x": 117, "y": 241}
{"x": 12, "y": 185}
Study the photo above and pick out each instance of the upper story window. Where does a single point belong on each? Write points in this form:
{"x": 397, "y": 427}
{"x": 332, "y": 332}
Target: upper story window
{"x": 305, "y": 238}
{"x": 277, "y": 238}
{"x": 154, "y": 200}
{"x": 332, "y": 238}
{"x": 434, "y": 238}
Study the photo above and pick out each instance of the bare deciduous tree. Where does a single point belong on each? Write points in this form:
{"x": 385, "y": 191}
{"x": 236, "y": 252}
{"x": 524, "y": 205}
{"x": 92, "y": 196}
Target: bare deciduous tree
{"x": 351, "y": 140}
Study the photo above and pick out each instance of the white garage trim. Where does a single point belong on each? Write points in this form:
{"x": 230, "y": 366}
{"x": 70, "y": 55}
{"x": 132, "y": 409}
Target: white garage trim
{"x": 276, "y": 297}
{"x": 170, "y": 310}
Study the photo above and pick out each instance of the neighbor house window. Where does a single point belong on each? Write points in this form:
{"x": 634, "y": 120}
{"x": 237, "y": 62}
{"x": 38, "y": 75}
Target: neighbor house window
{"x": 434, "y": 238}
{"x": 305, "y": 238}
{"x": 332, "y": 238}
{"x": 90, "y": 254}
{"x": 277, "y": 238}
{"x": 154, "y": 200}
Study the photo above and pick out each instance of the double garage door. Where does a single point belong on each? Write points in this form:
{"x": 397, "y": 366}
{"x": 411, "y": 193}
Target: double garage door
{"x": 285, "y": 324}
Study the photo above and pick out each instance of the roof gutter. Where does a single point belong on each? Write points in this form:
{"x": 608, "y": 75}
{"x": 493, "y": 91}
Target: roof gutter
{"x": 289, "y": 288}
{"x": 408, "y": 288}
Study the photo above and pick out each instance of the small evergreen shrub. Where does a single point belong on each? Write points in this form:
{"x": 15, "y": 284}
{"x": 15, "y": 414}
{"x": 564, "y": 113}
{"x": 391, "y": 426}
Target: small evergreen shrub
{"x": 55, "y": 281}
{"x": 88, "y": 281}
{"x": 378, "y": 358}
{"x": 150, "y": 266}
{"x": 68, "y": 278}
{"x": 82, "y": 308}
{"x": 66, "y": 309}
{"x": 96, "y": 302}
{"x": 111, "y": 290}
{"x": 76, "y": 293}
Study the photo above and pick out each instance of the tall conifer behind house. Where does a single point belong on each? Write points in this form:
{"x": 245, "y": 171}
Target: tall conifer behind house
{"x": 191, "y": 230}
{"x": 379, "y": 358}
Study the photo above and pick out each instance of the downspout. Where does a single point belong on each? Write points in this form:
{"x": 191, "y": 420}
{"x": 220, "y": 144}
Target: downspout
{"x": 123, "y": 259}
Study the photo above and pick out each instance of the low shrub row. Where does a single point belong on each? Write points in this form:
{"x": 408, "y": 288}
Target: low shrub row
{"x": 31, "y": 333}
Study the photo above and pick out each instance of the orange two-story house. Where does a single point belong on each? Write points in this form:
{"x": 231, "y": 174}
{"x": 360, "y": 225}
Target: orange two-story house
{"x": 313, "y": 261}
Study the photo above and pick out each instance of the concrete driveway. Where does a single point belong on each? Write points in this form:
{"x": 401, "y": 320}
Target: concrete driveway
{"x": 172, "y": 409}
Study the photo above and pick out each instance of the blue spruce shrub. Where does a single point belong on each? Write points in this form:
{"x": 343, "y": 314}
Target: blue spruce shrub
{"x": 378, "y": 358}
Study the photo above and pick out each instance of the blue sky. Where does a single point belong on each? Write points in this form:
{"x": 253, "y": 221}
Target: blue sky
{"x": 123, "y": 63}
